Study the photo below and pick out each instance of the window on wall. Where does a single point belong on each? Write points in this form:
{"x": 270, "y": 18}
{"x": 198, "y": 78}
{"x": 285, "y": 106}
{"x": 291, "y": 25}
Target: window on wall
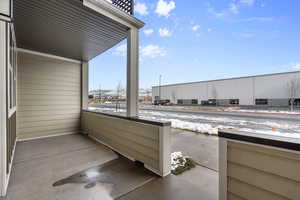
{"x": 234, "y": 101}
{"x": 5, "y": 7}
{"x": 194, "y": 101}
{"x": 12, "y": 74}
{"x": 261, "y": 101}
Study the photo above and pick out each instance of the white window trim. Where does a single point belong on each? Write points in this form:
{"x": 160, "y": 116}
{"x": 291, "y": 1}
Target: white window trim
{"x": 3, "y": 45}
{"x": 13, "y": 109}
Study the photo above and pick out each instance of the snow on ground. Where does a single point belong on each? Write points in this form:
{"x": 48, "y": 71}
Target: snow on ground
{"x": 211, "y": 124}
{"x": 192, "y": 126}
{"x": 177, "y": 160}
{"x": 262, "y": 111}
{"x": 272, "y": 132}
{"x": 106, "y": 109}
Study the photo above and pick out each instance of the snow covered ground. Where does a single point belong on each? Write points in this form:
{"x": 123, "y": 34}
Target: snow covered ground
{"x": 210, "y": 124}
{"x": 262, "y": 111}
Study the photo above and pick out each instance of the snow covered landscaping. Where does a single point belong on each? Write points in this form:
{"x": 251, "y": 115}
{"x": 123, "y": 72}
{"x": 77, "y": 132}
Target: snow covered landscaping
{"x": 210, "y": 124}
{"x": 262, "y": 111}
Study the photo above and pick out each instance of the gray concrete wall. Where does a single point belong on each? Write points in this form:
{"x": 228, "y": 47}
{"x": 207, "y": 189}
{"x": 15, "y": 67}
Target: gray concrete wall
{"x": 48, "y": 96}
{"x": 144, "y": 142}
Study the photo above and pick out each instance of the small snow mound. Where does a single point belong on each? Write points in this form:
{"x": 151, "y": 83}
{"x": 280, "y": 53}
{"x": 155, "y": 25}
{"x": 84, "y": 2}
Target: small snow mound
{"x": 180, "y": 163}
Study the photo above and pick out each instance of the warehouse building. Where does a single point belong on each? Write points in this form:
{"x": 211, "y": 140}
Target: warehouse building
{"x": 270, "y": 90}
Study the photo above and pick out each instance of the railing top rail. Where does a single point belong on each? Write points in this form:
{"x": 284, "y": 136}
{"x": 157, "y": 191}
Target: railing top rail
{"x": 136, "y": 119}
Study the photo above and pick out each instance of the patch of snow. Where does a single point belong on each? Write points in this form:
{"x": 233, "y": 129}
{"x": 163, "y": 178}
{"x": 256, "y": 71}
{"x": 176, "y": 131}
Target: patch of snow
{"x": 193, "y": 126}
{"x": 195, "y": 117}
{"x": 276, "y": 125}
{"x": 106, "y": 109}
{"x": 211, "y": 125}
{"x": 271, "y": 132}
{"x": 261, "y": 111}
{"x": 177, "y": 160}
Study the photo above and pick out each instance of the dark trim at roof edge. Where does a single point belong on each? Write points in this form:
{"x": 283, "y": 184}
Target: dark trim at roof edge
{"x": 262, "y": 139}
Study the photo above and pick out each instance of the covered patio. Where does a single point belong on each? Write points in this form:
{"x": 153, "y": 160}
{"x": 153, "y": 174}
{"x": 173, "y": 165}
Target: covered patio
{"x": 76, "y": 167}
{"x": 53, "y": 147}
{"x": 48, "y": 133}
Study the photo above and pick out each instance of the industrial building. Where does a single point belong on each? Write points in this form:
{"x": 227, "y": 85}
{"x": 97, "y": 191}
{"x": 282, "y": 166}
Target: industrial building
{"x": 278, "y": 89}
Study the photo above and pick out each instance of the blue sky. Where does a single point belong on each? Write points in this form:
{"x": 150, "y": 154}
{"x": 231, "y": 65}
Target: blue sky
{"x": 193, "y": 40}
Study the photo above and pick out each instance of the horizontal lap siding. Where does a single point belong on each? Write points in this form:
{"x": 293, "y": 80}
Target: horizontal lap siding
{"x": 48, "y": 96}
{"x": 137, "y": 140}
{"x": 256, "y": 172}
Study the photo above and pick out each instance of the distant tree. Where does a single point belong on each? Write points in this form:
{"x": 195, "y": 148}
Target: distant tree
{"x": 174, "y": 96}
{"x": 293, "y": 87}
{"x": 118, "y": 95}
{"x": 148, "y": 91}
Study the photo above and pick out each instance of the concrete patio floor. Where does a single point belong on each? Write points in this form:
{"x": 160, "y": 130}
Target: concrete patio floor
{"x": 75, "y": 167}
{"x": 202, "y": 148}
{"x": 200, "y": 182}
{"x": 71, "y": 167}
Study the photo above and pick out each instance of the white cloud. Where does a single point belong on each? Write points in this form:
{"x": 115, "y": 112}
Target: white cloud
{"x": 209, "y": 30}
{"x": 121, "y": 50}
{"x": 148, "y": 31}
{"x": 295, "y": 65}
{"x": 234, "y": 8}
{"x": 164, "y": 32}
{"x": 248, "y": 35}
{"x": 258, "y": 19}
{"x": 247, "y": 2}
{"x": 164, "y": 8}
{"x": 141, "y": 8}
{"x": 196, "y": 27}
{"x": 152, "y": 51}
{"x": 216, "y": 14}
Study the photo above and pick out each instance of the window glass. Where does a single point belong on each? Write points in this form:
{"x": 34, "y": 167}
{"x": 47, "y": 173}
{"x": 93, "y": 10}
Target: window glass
{"x": 5, "y": 7}
{"x": 234, "y": 101}
{"x": 261, "y": 101}
{"x": 11, "y": 82}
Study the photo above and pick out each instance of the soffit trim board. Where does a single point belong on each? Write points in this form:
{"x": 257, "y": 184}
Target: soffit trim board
{"x": 48, "y": 55}
{"x": 109, "y": 10}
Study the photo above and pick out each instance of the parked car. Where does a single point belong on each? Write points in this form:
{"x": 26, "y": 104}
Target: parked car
{"x": 162, "y": 102}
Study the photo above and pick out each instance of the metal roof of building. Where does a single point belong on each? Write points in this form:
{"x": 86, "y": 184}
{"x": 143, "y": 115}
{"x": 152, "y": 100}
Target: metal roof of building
{"x": 225, "y": 79}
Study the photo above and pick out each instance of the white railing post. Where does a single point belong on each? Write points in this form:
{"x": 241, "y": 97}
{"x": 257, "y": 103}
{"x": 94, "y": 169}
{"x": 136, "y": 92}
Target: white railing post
{"x": 132, "y": 72}
{"x": 222, "y": 169}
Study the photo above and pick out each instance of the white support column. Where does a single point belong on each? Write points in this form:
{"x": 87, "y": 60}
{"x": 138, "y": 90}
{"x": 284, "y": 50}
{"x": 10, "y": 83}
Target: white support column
{"x": 84, "y": 85}
{"x": 132, "y": 72}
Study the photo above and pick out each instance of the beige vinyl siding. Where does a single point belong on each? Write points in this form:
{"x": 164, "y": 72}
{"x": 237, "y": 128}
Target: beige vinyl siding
{"x": 259, "y": 172}
{"x": 137, "y": 140}
{"x": 48, "y": 96}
